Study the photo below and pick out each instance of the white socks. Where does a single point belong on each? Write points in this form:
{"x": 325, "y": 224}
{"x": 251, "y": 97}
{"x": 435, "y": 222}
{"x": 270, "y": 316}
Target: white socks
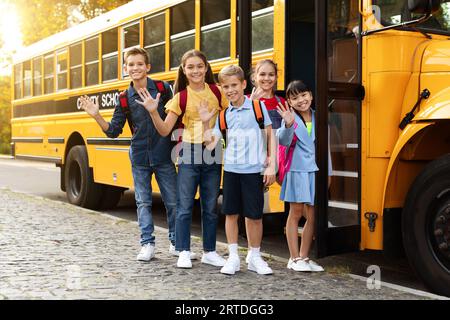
{"x": 255, "y": 251}
{"x": 233, "y": 250}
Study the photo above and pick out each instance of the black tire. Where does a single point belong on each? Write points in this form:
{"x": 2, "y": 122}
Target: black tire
{"x": 110, "y": 197}
{"x": 81, "y": 189}
{"x": 426, "y": 225}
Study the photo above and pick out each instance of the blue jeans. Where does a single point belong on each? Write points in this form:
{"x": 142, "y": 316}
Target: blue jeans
{"x": 190, "y": 177}
{"x": 166, "y": 177}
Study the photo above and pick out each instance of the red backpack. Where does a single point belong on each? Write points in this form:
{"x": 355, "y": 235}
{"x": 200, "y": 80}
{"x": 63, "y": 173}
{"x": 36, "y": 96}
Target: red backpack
{"x": 284, "y": 158}
{"x": 123, "y": 101}
{"x": 183, "y": 104}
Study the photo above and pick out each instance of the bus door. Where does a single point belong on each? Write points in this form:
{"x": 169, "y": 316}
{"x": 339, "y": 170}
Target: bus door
{"x": 338, "y": 102}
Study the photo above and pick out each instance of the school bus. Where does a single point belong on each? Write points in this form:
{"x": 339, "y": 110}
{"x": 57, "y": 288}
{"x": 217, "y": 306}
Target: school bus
{"x": 380, "y": 73}
{"x": 50, "y": 76}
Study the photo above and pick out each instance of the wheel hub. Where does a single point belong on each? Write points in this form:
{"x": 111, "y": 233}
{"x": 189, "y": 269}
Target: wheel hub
{"x": 442, "y": 231}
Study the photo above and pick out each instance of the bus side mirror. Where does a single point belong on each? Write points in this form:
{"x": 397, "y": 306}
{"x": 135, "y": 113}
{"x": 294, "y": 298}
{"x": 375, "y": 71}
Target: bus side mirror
{"x": 423, "y": 6}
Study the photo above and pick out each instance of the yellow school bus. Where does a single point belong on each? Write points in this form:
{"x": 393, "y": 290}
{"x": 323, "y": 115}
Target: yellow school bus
{"x": 380, "y": 73}
{"x": 50, "y": 76}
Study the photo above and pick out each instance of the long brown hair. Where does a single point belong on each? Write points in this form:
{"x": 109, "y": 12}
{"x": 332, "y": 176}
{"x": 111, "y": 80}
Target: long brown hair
{"x": 182, "y": 82}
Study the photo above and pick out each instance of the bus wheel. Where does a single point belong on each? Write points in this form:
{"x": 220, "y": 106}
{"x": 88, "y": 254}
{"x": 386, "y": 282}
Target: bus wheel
{"x": 426, "y": 225}
{"x": 81, "y": 189}
{"x": 110, "y": 197}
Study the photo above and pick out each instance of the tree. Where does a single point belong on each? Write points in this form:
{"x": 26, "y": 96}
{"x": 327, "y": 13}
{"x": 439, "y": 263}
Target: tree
{"x": 42, "y": 18}
{"x": 5, "y": 114}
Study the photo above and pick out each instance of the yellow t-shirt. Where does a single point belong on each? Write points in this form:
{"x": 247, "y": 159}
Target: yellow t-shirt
{"x": 193, "y": 127}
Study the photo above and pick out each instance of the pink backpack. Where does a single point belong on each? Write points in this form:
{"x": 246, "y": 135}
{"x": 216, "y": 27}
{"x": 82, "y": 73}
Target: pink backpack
{"x": 284, "y": 156}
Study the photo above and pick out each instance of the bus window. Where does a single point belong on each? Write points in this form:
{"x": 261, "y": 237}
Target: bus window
{"x": 48, "y": 73}
{"x": 342, "y": 41}
{"x": 154, "y": 41}
{"x": 109, "y": 55}
{"x": 215, "y": 31}
{"x": 130, "y": 38}
{"x": 182, "y": 31}
{"x": 18, "y": 81}
{"x": 61, "y": 70}
{"x": 395, "y": 12}
{"x": 27, "y": 78}
{"x": 76, "y": 66}
{"x": 37, "y": 76}
{"x": 91, "y": 64}
{"x": 262, "y": 25}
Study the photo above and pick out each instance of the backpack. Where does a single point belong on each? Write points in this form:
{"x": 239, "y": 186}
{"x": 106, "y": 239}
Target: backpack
{"x": 259, "y": 117}
{"x": 123, "y": 101}
{"x": 183, "y": 101}
{"x": 284, "y": 158}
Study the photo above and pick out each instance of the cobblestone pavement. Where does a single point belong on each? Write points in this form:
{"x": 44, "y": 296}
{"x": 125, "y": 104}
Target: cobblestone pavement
{"x": 53, "y": 250}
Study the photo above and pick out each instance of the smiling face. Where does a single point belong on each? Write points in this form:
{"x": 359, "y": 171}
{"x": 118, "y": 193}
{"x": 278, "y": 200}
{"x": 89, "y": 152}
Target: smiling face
{"x": 195, "y": 70}
{"x": 266, "y": 77}
{"x": 233, "y": 88}
{"x": 136, "y": 67}
{"x": 301, "y": 101}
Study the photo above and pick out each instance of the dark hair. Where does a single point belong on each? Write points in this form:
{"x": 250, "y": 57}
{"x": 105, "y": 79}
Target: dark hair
{"x": 182, "y": 82}
{"x": 296, "y": 87}
{"x": 136, "y": 51}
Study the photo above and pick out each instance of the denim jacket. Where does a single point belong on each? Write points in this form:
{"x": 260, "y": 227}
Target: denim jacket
{"x": 148, "y": 147}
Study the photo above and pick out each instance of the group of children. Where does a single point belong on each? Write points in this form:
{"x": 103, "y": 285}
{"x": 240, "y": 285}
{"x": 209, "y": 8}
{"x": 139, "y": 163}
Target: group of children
{"x": 210, "y": 114}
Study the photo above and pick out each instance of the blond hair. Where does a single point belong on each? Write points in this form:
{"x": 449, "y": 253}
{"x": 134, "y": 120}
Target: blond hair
{"x": 232, "y": 70}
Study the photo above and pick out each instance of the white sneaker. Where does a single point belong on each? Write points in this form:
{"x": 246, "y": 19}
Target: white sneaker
{"x": 258, "y": 265}
{"x": 184, "y": 260}
{"x": 289, "y": 264}
{"x": 232, "y": 265}
{"x": 247, "y": 258}
{"x": 213, "y": 259}
{"x": 314, "y": 266}
{"x": 176, "y": 253}
{"x": 299, "y": 265}
{"x": 147, "y": 252}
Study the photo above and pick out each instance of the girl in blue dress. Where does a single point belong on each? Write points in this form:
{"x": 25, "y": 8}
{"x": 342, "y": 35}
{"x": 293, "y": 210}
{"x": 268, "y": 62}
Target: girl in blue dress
{"x": 299, "y": 182}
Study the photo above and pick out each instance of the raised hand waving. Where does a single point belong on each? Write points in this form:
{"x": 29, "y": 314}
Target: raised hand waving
{"x": 91, "y": 108}
{"x": 204, "y": 113}
{"x": 147, "y": 101}
{"x": 286, "y": 113}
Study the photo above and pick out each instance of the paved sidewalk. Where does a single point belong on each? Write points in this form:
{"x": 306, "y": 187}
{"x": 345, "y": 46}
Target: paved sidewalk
{"x": 53, "y": 250}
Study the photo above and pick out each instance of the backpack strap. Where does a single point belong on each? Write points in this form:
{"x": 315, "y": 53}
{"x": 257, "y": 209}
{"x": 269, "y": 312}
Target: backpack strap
{"x": 223, "y": 126}
{"x": 259, "y": 116}
{"x": 160, "y": 87}
{"x": 278, "y": 98}
{"x": 184, "y": 96}
{"x": 216, "y": 92}
{"x": 182, "y": 105}
{"x": 223, "y": 121}
{"x": 123, "y": 101}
